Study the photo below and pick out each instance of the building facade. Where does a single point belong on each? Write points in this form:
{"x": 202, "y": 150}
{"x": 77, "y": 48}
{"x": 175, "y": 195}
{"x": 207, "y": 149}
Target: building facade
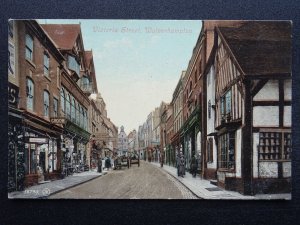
{"x": 252, "y": 82}
{"x": 122, "y": 142}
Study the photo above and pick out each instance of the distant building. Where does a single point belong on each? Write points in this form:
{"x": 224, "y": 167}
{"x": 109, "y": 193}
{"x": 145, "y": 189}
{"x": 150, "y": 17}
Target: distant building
{"x": 122, "y": 142}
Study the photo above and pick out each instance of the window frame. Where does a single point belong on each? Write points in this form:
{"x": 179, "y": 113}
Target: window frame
{"x": 55, "y": 107}
{"x": 29, "y": 95}
{"x": 62, "y": 100}
{"x": 46, "y": 67}
{"x": 226, "y": 141}
{"x": 46, "y": 107}
{"x": 29, "y": 47}
{"x": 224, "y": 103}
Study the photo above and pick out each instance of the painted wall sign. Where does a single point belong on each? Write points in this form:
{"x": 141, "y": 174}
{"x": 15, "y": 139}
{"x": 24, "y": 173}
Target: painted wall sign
{"x": 11, "y": 59}
{"x": 13, "y": 93}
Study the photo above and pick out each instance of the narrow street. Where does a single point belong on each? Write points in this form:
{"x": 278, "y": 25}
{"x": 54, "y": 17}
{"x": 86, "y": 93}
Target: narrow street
{"x": 146, "y": 181}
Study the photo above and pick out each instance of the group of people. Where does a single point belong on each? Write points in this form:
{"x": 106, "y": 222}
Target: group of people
{"x": 107, "y": 163}
{"x": 180, "y": 162}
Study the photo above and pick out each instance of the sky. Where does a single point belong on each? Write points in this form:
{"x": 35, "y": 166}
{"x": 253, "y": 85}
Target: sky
{"x": 138, "y": 62}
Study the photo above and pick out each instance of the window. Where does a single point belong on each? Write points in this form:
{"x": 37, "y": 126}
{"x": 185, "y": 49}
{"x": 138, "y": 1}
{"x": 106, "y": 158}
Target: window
{"x": 210, "y": 150}
{"x": 46, "y": 103}
{"x": 55, "y": 107}
{"x": 195, "y": 76}
{"x": 85, "y": 82}
{"x": 73, "y": 64}
{"x": 73, "y": 113}
{"x": 28, "y": 47}
{"x": 81, "y": 117}
{"x": 275, "y": 145}
{"x": 68, "y": 106}
{"x": 78, "y": 114}
{"x": 227, "y": 151}
{"x": 209, "y": 109}
{"x": 62, "y": 99}
{"x": 30, "y": 93}
{"x": 226, "y": 106}
{"x": 46, "y": 64}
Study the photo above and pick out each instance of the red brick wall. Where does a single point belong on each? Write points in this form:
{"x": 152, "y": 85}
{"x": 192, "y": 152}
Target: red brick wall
{"x": 35, "y": 70}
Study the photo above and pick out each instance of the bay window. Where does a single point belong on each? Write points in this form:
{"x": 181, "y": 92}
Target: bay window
{"x": 73, "y": 64}
{"x": 226, "y": 106}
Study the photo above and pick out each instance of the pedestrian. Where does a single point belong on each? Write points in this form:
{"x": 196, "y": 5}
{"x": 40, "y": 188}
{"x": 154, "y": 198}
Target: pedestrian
{"x": 99, "y": 165}
{"x": 107, "y": 163}
{"x": 177, "y": 163}
{"x": 193, "y": 166}
{"x": 181, "y": 164}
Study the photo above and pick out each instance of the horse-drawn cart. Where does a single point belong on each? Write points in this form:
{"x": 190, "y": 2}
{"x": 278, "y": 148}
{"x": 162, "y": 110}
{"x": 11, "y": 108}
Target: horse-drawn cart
{"x": 121, "y": 161}
{"x": 134, "y": 159}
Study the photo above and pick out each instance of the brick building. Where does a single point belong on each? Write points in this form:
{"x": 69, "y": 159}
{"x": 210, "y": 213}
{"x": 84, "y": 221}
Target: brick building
{"x": 36, "y": 81}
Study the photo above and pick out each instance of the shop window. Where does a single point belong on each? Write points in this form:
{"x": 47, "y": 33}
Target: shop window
{"x": 226, "y": 107}
{"x": 28, "y": 47}
{"x": 62, "y": 100}
{"x": 55, "y": 107}
{"x": 30, "y": 93}
{"x": 46, "y": 103}
{"x": 275, "y": 146}
{"x": 46, "y": 64}
{"x": 210, "y": 148}
{"x": 227, "y": 151}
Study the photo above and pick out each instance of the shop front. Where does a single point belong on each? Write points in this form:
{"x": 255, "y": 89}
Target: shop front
{"x": 41, "y": 151}
{"x": 192, "y": 145}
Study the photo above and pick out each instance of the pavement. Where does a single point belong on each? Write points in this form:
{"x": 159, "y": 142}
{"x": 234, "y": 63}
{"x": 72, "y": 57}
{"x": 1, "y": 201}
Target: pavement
{"x": 201, "y": 188}
{"x": 205, "y": 190}
{"x": 46, "y": 189}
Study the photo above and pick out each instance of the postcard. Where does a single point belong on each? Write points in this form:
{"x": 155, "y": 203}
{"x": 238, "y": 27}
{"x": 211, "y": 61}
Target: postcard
{"x": 149, "y": 109}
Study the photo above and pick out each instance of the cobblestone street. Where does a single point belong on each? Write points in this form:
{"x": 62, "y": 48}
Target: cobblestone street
{"x": 146, "y": 181}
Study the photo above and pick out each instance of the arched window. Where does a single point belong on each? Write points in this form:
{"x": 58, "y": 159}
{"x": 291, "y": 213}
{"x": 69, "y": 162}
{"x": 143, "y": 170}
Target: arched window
{"x": 62, "y": 100}
{"x": 30, "y": 93}
{"x": 46, "y": 103}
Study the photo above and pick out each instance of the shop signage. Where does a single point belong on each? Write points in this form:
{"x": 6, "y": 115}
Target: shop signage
{"x": 13, "y": 94}
{"x": 38, "y": 140}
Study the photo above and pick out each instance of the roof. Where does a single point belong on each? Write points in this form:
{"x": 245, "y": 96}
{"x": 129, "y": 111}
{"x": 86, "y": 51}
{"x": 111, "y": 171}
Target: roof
{"x": 64, "y": 35}
{"x": 88, "y": 58}
{"x": 261, "y": 47}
